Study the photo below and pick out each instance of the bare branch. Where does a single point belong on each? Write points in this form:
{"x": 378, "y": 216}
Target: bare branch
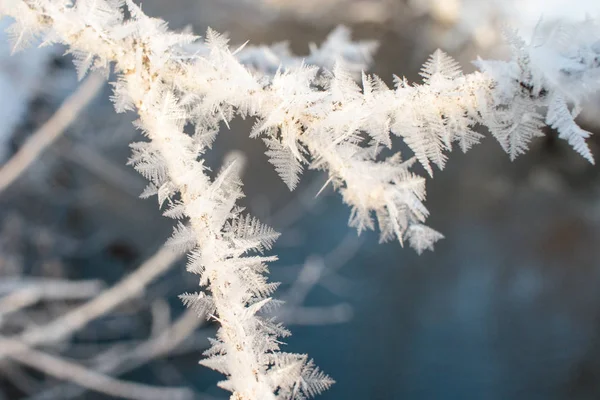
{"x": 51, "y": 130}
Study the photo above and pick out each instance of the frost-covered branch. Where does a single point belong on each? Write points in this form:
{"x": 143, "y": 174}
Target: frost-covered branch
{"x": 219, "y": 236}
{"x": 307, "y": 117}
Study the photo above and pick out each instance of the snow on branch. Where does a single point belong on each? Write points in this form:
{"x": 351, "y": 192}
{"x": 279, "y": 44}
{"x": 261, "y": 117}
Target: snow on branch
{"x": 308, "y": 117}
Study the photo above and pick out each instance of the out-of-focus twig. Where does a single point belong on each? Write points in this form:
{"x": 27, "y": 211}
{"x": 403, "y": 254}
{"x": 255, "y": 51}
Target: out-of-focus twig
{"x": 297, "y": 207}
{"x": 61, "y": 327}
{"x": 92, "y": 160}
{"x": 129, "y": 287}
{"x": 50, "y": 290}
{"x": 51, "y": 130}
{"x": 127, "y": 360}
{"x": 315, "y": 271}
{"x": 19, "y": 378}
{"x": 62, "y": 369}
{"x": 170, "y": 338}
{"x": 51, "y": 287}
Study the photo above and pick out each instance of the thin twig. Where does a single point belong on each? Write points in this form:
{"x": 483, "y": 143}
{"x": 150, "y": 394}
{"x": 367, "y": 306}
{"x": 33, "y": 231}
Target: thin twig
{"x": 128, "y": 360}
{"x": 51, "y": 290}
{"x": 51, "y": 130}
{"x": 92, "y": 160}
{"x": 129, "y": 287}
{"x": 65, "y": 370}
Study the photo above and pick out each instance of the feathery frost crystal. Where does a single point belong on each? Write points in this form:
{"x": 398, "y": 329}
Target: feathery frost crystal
{"x": 310, "y": 114}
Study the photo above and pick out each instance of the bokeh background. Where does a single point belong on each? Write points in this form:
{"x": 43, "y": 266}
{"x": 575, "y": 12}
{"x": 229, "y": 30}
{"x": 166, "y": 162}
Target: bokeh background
{"x": 507, "y": 307}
